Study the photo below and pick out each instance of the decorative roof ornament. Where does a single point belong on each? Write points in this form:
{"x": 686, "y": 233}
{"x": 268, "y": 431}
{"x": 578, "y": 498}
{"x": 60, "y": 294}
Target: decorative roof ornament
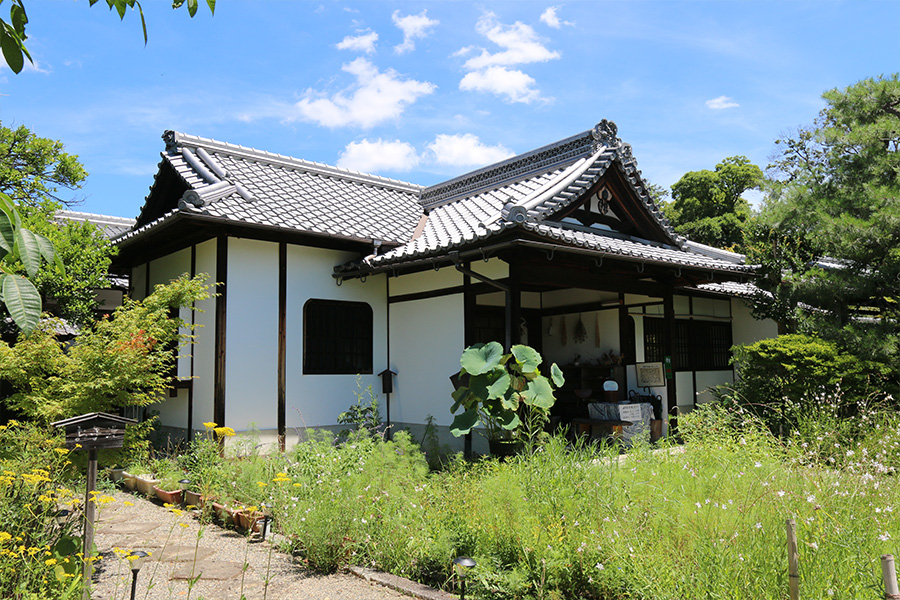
{"x": 168, "y": 137}
{"x": 605, "y": 135}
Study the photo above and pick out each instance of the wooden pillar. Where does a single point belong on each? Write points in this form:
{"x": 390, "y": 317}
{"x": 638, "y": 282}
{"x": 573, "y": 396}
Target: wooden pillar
{"x": 469, "y": 304}
{"x": 282, "y": 344}
{"x": 513, "y": 308}
{"x": 189, "y": 433}
{"x": 90, "y": 516}
{"x": 669, "y": 317}
{"x": 221, "y": 320}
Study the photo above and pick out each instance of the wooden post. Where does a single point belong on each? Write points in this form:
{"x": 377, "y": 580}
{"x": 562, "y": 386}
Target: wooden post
{"x": 89, "y": 516}
{"x": 889, "y": 575}
{"x": 793, "y": 559}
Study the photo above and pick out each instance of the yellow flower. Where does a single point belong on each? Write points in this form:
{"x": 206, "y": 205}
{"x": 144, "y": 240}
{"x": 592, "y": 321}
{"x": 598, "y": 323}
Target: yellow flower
{"x": 261, "y": 483}
{"x": 210, "y": 425}
{"x": 127, "y": 503}
{"x": 224, "y": 432}
{"x": 50, "y": 562}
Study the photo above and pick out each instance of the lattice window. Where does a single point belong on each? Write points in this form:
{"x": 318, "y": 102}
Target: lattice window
{"x": 337, "y": 337}
{"x": 699, "y": 345}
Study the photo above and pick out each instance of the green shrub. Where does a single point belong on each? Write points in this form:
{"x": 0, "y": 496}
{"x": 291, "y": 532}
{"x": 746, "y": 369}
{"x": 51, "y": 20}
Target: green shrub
{"x": 791, "y": 378}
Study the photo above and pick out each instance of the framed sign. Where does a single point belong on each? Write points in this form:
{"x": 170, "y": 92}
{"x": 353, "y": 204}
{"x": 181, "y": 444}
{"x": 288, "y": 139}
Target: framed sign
{"x": 650, "y": 375}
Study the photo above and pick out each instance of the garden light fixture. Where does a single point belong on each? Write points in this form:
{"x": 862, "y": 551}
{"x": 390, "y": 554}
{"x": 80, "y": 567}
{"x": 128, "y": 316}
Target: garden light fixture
{"x": 462, "y": 564}
{"x": 266, "y": 518}
{"x": 136, "y": 558}
{"x": 61, "y": 516}
{"x": 184, "y": 484}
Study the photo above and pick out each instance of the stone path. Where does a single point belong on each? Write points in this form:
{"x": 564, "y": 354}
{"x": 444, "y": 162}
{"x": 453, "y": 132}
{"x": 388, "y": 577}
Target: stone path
{"x": 193, "y": 560}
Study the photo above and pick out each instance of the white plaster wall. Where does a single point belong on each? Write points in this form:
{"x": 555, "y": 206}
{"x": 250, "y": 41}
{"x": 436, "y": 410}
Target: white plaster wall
{"x": 427, "y": 339}
{"x": 712, "y": 307}
{"x": 711, "y": 379}
{"x": 317, "y": 400}
{"x": 251, "y": 352}
{"x": 426, "y": 281}
{"x": 494, "y": 268}
{"x": 204, "y": 349}
{"x": 746, "y": 329}
{"x": 173, "y": 411}
{"x": 555, "y": 351}
{"x": 165, "y": 270}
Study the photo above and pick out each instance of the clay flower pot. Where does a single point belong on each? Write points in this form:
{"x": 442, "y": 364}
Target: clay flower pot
{"x": 249, "y": 521}
{"x": 225, "y": 514}
{"x": 129, "y": 480}
{"x": 145, "y": 484}
{"x": 168, "y": 497}
{"x": 193, "y": 499}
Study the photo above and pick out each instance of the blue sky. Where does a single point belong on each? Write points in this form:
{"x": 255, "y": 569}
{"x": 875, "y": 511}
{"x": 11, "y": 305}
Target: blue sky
{"x": 424, "y": 91}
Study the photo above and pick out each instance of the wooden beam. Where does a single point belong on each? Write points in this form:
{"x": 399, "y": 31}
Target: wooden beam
{"x": 282, "y": 344}
{"x": 572, "y": 277}
{"x": 221, "y": 320}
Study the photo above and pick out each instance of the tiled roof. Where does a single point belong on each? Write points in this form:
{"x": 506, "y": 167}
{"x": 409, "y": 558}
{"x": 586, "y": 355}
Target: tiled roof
{"x": 251, "y": 186}
{"x": 539, "y": 185}
{"x": 111, "y": 226}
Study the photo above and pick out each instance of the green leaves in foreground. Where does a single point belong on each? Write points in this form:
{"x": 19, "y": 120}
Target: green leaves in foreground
{"x": 20, "y": 245}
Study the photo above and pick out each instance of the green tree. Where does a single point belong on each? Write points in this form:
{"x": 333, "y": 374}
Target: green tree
{"x": 835, "y": 204}
{"x": 707, "y": 206}
{"x": 12, "y": 32}
{"x": 86, "y": 254}
{"x": 122, "y": 361}
{"x": 33, "y": 168}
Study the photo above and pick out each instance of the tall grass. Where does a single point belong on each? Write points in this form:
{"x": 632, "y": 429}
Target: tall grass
{"x": 702, "y": 520}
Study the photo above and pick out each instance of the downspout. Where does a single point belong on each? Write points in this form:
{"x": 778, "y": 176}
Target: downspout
{"x": 454, "y": 256}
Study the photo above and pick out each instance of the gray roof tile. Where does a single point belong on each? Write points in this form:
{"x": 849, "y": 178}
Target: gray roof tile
{"x": 269, "y": 189}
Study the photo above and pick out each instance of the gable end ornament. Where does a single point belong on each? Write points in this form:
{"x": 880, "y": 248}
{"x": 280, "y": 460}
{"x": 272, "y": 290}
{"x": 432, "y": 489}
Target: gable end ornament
{"x": 168, "y": 137}
{"x": 604, "y": 135}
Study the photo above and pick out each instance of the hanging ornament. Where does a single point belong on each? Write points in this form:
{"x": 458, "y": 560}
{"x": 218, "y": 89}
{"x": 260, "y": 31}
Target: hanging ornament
{"x": 597, "y": 332}
{"x": 550, "y": 327}
{"x": 562, "y": 334}
{"x": 580, "y": 333}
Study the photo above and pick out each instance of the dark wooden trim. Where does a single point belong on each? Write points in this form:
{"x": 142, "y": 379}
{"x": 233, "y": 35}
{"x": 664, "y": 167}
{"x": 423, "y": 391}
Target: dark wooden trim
{"x": 146, "y": 279}
{"x": 451, "y": 291}
{"x": 470, "y": 301}
{"x": 669, "y": 316}
{"x": 190, "y": 407}
{"x": 562, "y": 277}
{"x": 221, "y": 320}
{"x": 184, "y": 230}
{"x": 282, "y": 344}
{"x": 514, "y": 308}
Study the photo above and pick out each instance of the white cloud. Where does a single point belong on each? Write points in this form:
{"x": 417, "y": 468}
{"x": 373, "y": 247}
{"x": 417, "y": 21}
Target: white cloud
{"x": 515, "y": 85}
{"x": 365, "y": 42}
{"x": 520, "y": 44}
{"x": 551, "y": 19}
{"x": 378, "y": 155}
{"x": 413, "y": 27}
{"x": 374, "y": 98}
{"x": 465, "y": 150}
{"x": 721, "y": 102}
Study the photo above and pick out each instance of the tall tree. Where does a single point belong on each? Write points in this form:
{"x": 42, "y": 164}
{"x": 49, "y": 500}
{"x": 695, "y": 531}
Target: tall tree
{"x": 708, "y": 207}
{"x": 33, "y": 168}
{"x": 829, "y": 232}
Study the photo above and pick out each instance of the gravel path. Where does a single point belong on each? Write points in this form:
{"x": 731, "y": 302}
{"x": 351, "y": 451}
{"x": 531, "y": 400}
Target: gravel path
{"x": 230, "y": 565}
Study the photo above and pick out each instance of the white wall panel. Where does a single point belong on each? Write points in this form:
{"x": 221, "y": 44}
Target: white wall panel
{"x": 426, "y": 281}
{"x": 427, "y": 339}
{"x": 251, "y": 353}
{"x": 746, "y": 329}
{"x": 204, "y": 349}
{"x": 317, "y": 400}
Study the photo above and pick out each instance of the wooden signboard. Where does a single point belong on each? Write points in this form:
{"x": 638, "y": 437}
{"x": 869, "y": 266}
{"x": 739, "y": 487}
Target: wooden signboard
{"x": 650, "y": 375}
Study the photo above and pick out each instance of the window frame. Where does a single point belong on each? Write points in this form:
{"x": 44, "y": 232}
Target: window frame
{"x": 344, "y": 337}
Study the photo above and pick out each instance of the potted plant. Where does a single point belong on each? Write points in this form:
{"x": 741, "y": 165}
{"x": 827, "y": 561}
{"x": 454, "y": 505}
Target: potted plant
{"x": 505, "y": 393}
